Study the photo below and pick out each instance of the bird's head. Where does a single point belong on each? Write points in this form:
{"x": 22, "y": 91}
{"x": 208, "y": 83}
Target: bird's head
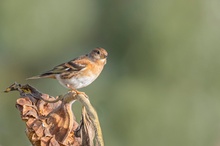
{"x": 98, "y": 54}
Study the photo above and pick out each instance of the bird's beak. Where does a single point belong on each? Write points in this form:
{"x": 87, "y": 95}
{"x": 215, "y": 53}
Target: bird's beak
{"x": 104, "y": 56}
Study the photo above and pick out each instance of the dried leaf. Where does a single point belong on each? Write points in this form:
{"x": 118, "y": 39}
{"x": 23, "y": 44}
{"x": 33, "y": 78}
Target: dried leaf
{"x": 52, "y": 124}
{"x": 49, "y": 124}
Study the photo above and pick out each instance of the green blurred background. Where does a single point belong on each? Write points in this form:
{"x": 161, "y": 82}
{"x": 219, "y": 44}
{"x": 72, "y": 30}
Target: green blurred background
{"x": 160, "y": 85}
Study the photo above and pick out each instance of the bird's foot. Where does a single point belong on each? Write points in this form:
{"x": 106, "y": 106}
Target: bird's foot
{"x": 76, "y": 91}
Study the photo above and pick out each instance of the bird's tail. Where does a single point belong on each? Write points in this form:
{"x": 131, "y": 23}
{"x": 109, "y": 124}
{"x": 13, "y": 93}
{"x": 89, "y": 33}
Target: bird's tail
{"x": 45, "y": 75}
{"x": 34, "y": 77}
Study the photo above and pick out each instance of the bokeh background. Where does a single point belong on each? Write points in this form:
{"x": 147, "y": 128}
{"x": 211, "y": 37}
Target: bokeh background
{"x": 160, "y": 85}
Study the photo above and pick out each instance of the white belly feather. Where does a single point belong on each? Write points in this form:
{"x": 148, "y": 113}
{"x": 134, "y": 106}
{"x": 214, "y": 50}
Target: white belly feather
{"x": 77, "y": 82}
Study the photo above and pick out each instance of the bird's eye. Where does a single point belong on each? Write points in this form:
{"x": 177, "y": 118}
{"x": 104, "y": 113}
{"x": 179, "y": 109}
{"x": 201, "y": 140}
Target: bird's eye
{"x": 97, "y": 51}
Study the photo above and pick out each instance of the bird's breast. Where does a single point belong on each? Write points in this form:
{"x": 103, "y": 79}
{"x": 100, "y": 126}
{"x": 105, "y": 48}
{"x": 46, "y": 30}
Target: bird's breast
{"x": 77, "y": 82}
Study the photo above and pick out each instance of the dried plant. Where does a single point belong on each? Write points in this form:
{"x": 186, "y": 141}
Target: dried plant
{"x": 51, "y": 122}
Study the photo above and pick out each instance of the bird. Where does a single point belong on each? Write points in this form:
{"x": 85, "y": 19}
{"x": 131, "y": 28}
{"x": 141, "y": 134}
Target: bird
{"x": 79, "y": 72}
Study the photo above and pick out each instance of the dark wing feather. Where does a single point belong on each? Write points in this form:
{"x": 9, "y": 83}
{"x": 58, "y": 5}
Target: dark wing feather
{"x": 66, "y": 67}
{"x": 71, "y": 66}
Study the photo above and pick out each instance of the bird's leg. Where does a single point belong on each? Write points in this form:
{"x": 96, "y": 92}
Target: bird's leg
{"x": 76, "y": 91}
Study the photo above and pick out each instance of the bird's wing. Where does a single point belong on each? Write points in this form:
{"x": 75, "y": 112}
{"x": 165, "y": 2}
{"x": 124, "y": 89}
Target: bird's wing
{"x": 74, "y": 65}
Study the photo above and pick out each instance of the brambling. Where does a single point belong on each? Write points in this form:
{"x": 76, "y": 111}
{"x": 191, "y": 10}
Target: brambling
{"x": 79, "y": 72}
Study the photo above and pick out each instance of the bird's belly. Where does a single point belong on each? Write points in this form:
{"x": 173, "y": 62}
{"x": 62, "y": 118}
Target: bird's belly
{"x": 77, "y": 82}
